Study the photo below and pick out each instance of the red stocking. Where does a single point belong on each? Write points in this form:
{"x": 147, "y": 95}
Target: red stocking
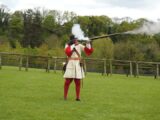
{"x": 66, "y": 86}
{"x": 78, "y": 86}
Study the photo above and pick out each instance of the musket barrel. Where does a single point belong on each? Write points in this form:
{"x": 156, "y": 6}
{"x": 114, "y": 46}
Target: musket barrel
{"x": 104, "y": 36}
{"x": 98, "y": 37}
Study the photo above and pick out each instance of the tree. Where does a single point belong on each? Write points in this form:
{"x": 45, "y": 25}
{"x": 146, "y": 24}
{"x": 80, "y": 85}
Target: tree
{"x": 103, "y": 48}
{"x": 4, "y": 18}
{"x": 129, "y": 50}
{"x": 99, "y": 25}
{"x": 15, "y": 28}
{"x": 37, "y": 39}
{"x": 151, "y": 51}
{"x": 49, "y": 23}
{"x": 32, "y": 28}
{"x": 157, "y": 38}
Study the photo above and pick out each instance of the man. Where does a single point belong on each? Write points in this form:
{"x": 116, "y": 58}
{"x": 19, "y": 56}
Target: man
{"x": 74, "y": 71}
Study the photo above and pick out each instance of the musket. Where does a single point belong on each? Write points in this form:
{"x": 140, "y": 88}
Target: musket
{"x": 104, "y": 36}
{"x": 98, "y": 37}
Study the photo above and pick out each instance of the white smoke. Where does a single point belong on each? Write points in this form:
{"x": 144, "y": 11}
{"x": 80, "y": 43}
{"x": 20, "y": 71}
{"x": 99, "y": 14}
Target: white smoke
{"x": 78, "y": 33}
{"x": 148, "y": 28}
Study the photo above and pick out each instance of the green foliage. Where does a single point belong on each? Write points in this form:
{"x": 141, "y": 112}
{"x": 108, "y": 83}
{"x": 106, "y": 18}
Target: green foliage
{"x": 49, "y": 23}
{"x": 30, "y": 51}
{"x": 152, "y": 52}
{"x": 99, "y": 25}
{"x": 16, "y": 22}
{"x": 15, "y": 28}
{"x": 157, "y": 38}
{"x": 65, "y": 39}
{"x": 3, "y": 39}
{"x": 128, "y": 51}
{"x": 103, "y": 48}
{"x": 5, "y": 47}
{"x": 32, "y": 29}
{"x": 46, "y": 32}
{"x": 53, "y": 41}
{"x": 4, "y": 18}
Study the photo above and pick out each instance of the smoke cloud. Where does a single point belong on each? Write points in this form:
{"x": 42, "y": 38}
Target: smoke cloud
{"x": 78, "y": 33}
{"x": 148, "y": 28}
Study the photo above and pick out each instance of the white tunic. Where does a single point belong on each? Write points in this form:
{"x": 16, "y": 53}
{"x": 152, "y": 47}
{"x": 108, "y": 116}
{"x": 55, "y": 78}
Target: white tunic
{"x": 73, "y": 69}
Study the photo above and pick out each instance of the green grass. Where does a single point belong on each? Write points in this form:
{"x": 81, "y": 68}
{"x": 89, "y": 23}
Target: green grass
{"x": 37, "y": 95}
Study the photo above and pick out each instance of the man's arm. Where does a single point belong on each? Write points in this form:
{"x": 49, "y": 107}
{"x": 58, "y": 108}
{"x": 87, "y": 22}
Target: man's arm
{"x": 69, "y": 49}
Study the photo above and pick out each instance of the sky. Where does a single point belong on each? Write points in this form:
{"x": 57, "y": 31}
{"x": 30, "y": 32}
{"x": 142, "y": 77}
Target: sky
{"x": 135, "y": 9}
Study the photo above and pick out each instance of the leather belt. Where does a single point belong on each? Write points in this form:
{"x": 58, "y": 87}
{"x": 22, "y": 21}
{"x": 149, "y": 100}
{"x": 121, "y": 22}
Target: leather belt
{"x": 74, "y": 59}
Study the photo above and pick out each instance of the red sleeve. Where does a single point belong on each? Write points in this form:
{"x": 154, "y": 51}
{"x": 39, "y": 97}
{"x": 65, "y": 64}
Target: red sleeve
{"x": 88, "y": 51}
{"x": 68, "y": 51}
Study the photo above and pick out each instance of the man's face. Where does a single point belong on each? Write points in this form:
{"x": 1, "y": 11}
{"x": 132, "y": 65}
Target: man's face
{"x": 76, "y": 41}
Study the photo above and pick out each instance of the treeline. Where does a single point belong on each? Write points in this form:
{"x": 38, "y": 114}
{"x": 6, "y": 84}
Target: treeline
{"x": 44, "y": 32}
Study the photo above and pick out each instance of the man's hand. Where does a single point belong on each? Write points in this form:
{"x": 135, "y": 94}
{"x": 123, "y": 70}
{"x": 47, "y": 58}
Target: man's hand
{"x": 88, "y": 44}
{"x": 72, "y": 46}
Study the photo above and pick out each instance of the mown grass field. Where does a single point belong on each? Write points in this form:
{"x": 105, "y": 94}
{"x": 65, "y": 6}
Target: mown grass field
{"x": 37, "y": 95}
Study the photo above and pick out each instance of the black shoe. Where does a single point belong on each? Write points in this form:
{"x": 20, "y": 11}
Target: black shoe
{"x": 78, "y": 99}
